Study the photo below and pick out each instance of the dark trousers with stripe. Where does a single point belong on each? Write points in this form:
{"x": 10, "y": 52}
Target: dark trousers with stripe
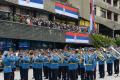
{"x": 38, "y": 73}
{"x": 82, "y": 73}
{"x": 102, "y": 70}
{"x": 21, "y": 73}
{"x": 53, "y": 74}
{"x": 89, "y": 75}
{"x": 13, "y": 74}
{"x": 46, "y": 71}
{"x": 94, "y": 73}
{"x": 25, "y": 74}
{"x": 63, "y": 71}
{"x": 116, "y": 66}
{"x": 110, "y": 69}
{"x": 33, "y": 72}
{"x": 7, "y": 76}
{"x": 72, "y": 74}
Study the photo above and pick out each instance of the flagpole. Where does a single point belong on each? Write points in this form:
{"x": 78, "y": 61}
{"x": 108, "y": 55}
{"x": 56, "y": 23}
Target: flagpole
{"x": 91, "y": 28}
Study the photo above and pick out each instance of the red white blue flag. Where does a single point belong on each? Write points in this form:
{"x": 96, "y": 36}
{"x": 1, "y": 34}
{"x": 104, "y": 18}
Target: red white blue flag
{"x": 66, "y": 10}
{"x": 32, "y": 3}
{"x": 92, "y": 22}
{"x": 72, "y": 37}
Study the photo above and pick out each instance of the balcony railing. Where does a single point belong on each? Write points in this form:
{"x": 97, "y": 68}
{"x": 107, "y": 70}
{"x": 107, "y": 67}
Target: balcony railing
{"x": 22, "y": 31}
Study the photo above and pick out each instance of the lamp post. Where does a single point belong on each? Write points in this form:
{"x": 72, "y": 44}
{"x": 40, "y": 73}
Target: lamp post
{"x": 113, "y": 31}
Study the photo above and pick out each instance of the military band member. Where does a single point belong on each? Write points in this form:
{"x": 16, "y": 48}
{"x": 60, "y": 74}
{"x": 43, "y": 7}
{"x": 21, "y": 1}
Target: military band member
{"x": 46, "y": 65}
{"x": 54, "y": 65}
{"x": 81, "y": 65}
{"x": 20, "y": 56}
{"x": 89, "y": 66}
{"x": 101, "y": 65}
{"x": 37, "y": 64}
{"x": 73, "y": 65}
{"x": 25, "y": 64}
{"x": 7, "y": 66}
{"x": 64, "y": 65}
{"x": 116, "y": 66}
{"x": 95, "y": 62}
{"x": 109, "y": 62}
{"x": 13, "y": 61}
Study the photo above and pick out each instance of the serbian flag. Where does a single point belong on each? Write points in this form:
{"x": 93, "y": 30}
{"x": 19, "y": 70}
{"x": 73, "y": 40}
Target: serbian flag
{"x": 72, "y": 37}
{"x": 32, "y": 3}
{"x": 66, "y": 10}
{"x": 92, "y": 21}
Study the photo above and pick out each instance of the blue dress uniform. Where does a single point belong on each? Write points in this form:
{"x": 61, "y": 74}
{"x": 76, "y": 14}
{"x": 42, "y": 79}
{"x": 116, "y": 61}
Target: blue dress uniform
{"x": 101, "y": 64}
{"x": 46, "y": 67}
{"x": 82, "y": 67}
{"x": 73, "y": 66}
{"x": 109, "y": 61}
{"x": 25, "y": 66}
{"x": 7, "y": 67}
{"x": 54, "y": 66}
{"x": 63, "y": 67}
{"x": 20, "y": 66}
{"x": 116, "y": 65}
{"x": 101, "y": 68}
{"x": 38, "y": 65}
{"x": 13, "y": 60}
{"x": 89, "y": 66}
{"x": 94, "y": 64}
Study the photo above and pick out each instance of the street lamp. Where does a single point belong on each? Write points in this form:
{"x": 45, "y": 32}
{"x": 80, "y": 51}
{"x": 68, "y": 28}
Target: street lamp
{"x": 114, "y": 31}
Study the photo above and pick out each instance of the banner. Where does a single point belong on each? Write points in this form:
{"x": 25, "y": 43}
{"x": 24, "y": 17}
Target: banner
{"x": 77, "y": 38}
{"x": 24, "y": 44}
{"x": 32, "y": 3}
{"x": 66, "y": 10}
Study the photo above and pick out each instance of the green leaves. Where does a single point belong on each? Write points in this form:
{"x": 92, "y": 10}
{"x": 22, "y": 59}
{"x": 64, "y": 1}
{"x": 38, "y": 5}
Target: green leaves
{"x": 117, "y": 41}
{"x": 99, "y": 40}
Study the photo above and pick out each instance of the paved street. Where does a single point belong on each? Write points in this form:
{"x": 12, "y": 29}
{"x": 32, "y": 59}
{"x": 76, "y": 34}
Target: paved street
{"x": 17, "y": 76}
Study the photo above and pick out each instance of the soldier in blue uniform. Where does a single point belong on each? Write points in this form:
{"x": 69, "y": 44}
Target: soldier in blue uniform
{"x": 81, "y": 65}
{"x": 73, "y": 65}
{"x": 89, "y": 66}
{"x": 7, "y": 66}
{"x": 95, "y": 62}
{"x": 116, "y": 66}
{"x": 25, "y": 65}
{"x": 54, "y": 65}
{"x": 20, "y": 56}
{"x": 38, "y": 60}
{"x": 64, "y": 65}
{"x": 13, "y": 61}
{"x": 101, "y": 64}
{"x": 46, "y": 64}
{"x": 109, "y": 61}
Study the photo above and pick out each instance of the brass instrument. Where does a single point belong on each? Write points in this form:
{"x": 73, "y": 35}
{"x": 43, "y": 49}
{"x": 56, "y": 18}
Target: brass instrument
{"x": 115, "y": 53}
{"x": 100, "y": 56}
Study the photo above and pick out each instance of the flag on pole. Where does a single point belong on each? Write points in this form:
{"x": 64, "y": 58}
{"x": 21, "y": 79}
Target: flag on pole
{"x": 91, "y": 28}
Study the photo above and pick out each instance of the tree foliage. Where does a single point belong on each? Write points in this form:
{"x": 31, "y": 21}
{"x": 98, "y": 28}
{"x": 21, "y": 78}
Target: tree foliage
{"x": 117, "y": 41}
{"x": 99, "y": 40}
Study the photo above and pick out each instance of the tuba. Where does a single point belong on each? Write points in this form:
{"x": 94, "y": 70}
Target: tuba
{"x": 115, "y": 53}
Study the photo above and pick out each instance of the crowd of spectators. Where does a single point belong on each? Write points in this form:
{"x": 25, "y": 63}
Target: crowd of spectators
{"x": 43, "y": 22}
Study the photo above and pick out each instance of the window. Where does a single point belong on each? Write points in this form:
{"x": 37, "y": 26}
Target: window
{"x": 95, "y": 9}
{"x": 115, "y": 3}
{"x": 115, "y": 17}
{"x": 109, "y": 15}
{"x": 104, "y": 0}
{"x": 109, "y": 1}
{"x": 103, "y": 13}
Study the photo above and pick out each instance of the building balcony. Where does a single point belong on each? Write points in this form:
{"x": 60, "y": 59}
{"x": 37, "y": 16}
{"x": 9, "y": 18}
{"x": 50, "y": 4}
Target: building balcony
{"x": 16, "y": 30}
